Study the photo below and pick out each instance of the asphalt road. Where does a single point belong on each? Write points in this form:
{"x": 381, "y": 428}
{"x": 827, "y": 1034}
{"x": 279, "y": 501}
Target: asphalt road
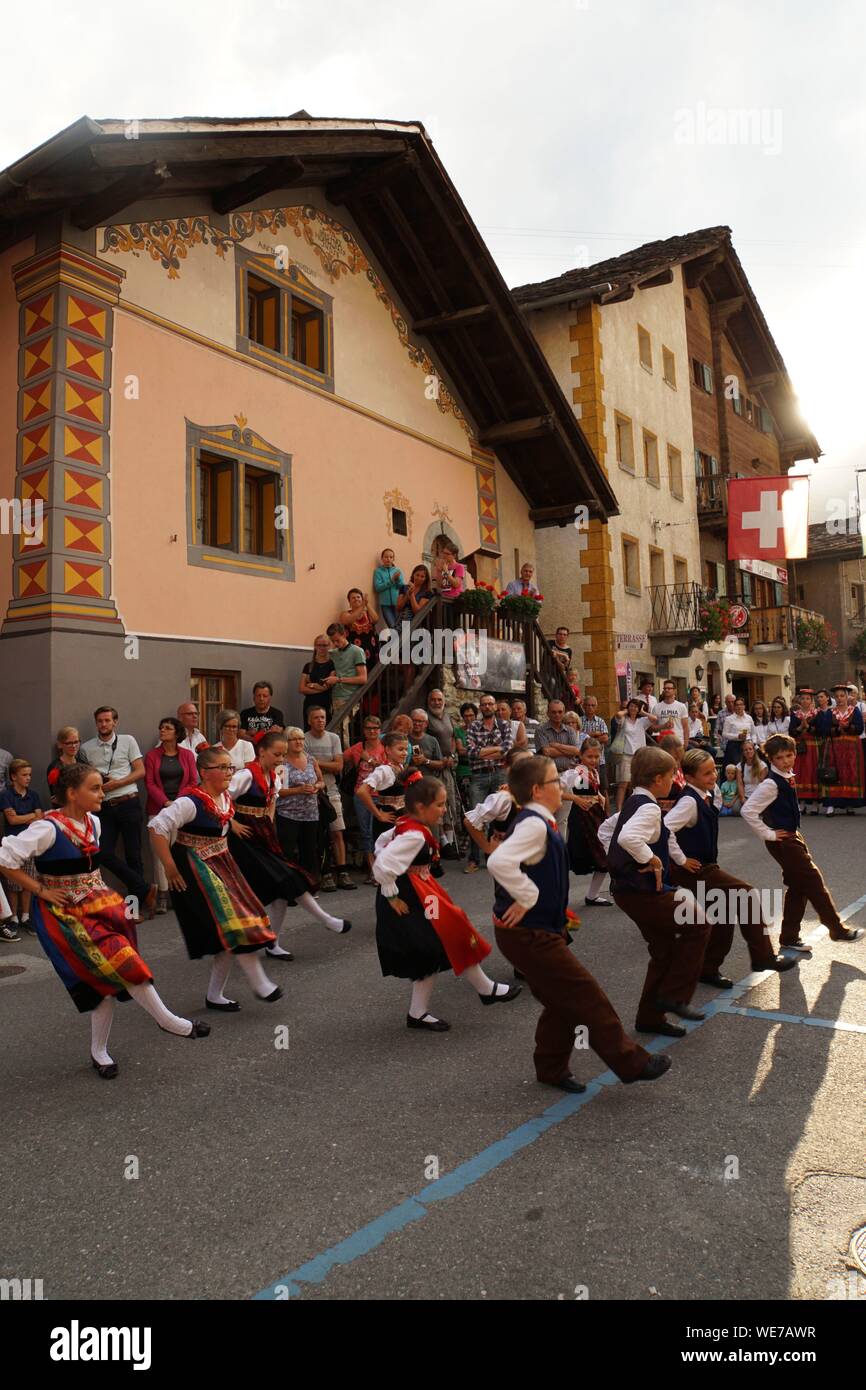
{"x": 739, "y": 1175}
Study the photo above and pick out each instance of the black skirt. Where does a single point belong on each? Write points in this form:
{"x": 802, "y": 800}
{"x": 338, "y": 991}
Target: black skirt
{"x": 261, "y": 861}
{"x": 408, "y": 946}
{"x": 585, "y": 852}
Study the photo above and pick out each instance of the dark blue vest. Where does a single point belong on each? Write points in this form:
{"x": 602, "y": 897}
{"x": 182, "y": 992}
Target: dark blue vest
{"x": 550, "y": 876}
{"x": 625, "y": 874}
{"x": 784, "y": 814}
{"x": 701, "y": 840}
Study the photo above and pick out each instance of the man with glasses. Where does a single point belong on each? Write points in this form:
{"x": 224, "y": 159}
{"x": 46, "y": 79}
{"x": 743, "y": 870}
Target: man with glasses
{"x": 556, "y": 740}
{"x": 117, "y": 757}
{"x": 488, "y": 739}
{"x": 187, "y": 713}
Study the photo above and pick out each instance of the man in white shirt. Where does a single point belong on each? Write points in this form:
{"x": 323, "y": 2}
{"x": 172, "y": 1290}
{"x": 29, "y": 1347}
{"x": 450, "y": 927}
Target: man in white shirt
{"x": 531, "y": 871}
{"x": 188, "y": 716}
{"x": 118, "y": 758}
{"x": 672, "y": 714}
{"x": 524, "y": 584}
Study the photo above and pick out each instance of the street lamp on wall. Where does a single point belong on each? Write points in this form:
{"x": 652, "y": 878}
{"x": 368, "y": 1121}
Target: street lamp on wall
{"x": 699, "y": 672}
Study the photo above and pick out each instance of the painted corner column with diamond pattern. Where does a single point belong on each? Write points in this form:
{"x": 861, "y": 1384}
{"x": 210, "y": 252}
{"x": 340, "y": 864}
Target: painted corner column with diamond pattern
{"x": 62, "y": 577}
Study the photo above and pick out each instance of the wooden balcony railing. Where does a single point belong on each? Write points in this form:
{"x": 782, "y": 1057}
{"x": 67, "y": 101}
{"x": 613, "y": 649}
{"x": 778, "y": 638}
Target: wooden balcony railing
{"x": 712, "y": 492}
{"x": 674, "y": 608}
{"x": 777, "y": 627}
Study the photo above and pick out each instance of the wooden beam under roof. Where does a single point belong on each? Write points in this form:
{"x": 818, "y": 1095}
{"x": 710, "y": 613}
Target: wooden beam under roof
{"x": 456, "y": 318}
{"x": 618, "y": 296}
{"x": 723, "y": 309}
{"x": 186, "y": 149}
{"x": 698, "y": 269}
{"x": 99, "y": 208}
{"x": 278, "y": 173}
{"x": 757, "y": 383}
{"x": 664, "y": 277}
{"x": 342, "y": 191}
{"x": 515, "y": 431}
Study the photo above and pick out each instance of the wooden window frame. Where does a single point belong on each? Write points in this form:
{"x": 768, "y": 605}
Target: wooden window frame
{"x": 198, "y": 677}
{"x": 641, "y": 334}
{"x": 701, "y": 375}
{"x": 293, "y": 287}
{"x": 252, "y": 460}
{"x": 635, "y": 543}
{"x": 620, "y": 419}
{"x": 668, "y": 355}
{"x": 681, "y": 560}
{"x": 653, "y": 480}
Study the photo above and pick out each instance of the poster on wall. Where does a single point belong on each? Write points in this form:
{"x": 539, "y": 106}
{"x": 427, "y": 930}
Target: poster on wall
{"x": 624, "y": 680}
{"x": 490, "y": 664}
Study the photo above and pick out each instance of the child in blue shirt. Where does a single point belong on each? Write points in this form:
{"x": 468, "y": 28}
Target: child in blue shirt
{"x": 730, "y": 793}
{"x": 18, "y": 807}
{"x": 387, "y": 582}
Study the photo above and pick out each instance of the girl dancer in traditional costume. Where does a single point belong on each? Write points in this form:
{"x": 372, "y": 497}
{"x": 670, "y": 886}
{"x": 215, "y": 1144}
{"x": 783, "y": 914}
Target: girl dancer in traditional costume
{"x": 419, "y": 930}
{"x": 581, "y": 786}
{"x": 218, "y": 912}
{"x": 82, "y": 925}
{"x": 275, "y": 881}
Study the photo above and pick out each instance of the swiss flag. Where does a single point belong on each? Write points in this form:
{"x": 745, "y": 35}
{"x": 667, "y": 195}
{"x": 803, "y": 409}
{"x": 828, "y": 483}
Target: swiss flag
{"x": 768, "y": 519}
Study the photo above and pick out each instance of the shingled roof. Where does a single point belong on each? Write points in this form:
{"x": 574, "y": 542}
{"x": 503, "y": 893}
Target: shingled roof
{"x": 828, "y": 545}
{"x": 709, "y": 253}
{"x": 629, "y": 269}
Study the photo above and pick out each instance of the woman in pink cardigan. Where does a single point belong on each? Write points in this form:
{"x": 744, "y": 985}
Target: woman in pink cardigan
{"x": 169, "y": 772}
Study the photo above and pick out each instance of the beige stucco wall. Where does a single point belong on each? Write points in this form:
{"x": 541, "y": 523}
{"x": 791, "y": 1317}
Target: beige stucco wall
{"x": 344, "y": 464}
{"x": 650, "y": 514}
{"x": 372, "y": 366}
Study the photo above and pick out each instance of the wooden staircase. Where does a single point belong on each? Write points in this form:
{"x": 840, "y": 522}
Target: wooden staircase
{"x": 397, "y": 689}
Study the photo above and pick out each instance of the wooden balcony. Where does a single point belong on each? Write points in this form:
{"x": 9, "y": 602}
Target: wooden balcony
{"x": 775, "y": 629}
{"x": 712, "y": 494}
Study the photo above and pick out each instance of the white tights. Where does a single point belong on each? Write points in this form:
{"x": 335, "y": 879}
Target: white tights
{"x": 422, "y": 990}
{"x": 102, "y": 1017}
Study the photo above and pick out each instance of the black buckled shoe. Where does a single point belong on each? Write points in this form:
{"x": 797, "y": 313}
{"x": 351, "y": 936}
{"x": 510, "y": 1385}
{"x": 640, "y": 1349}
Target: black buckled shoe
{"x": 107, "y": 1072}
{"x": 569, "y": 1084}
{"x": 496, "y": 998}
{"x": 231, "y": 1006}
{"x": 718, "y": 981}
{"x": 428, "y": 1023}
{"x": 667, "y": 1006}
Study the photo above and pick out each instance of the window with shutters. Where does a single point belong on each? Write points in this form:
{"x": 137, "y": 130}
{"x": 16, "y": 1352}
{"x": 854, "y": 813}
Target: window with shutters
{"x": 702, "y": 375}
{"x": 213, "y": 691}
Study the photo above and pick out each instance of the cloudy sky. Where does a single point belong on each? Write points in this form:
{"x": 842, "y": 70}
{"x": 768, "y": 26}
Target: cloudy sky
{"x": 573, "y": 129}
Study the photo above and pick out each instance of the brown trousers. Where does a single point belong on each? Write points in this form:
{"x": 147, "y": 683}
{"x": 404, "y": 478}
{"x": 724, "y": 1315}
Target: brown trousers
{"x": 804, "y": 883}
{"x": 676, "y": 952}
{"x": 571, "y": 996}
{"x": 756, "y": 934}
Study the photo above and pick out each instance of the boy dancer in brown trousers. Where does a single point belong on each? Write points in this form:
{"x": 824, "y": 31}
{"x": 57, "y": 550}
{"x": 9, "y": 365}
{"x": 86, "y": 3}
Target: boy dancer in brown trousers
{"x": 531, "y": 870}
{"x": 694, "y": 821}
{"x": 639, "y": 859}
{"x": 773, "y": 812}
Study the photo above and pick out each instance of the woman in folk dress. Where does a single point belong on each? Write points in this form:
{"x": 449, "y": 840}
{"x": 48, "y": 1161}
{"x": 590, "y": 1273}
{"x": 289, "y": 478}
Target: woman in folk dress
{"x": 581, "y": 786}
{"x": 218, "y": 912}
{"x": 82, "y": 925}
{"x": 843, "y": 750}
{"x": 419, "y": 930}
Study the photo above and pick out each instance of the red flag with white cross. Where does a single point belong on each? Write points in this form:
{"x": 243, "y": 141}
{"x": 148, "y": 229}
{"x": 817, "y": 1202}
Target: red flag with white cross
{"x": 768, "y": 519}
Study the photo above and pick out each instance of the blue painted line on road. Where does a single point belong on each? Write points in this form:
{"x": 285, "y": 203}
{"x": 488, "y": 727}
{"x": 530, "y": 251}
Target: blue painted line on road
{"x": 416, "y": 1207}
{"x": 770, "y": 1016}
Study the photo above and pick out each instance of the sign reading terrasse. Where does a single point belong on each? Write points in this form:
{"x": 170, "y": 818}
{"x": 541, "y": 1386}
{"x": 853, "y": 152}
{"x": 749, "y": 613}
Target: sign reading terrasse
{"x": 630, "y": 639}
